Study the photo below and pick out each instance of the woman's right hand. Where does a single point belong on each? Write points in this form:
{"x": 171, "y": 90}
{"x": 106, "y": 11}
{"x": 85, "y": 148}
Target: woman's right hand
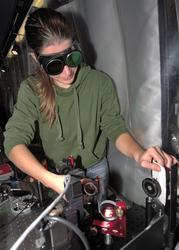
{"x": 22, "y": 157}
{"x": 54, "y": 181}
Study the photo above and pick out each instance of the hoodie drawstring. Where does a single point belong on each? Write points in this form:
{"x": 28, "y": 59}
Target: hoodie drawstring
{"x": 58, "y": 120}
{"x": 60, "y": 129}
{"x": 77, "y": 113}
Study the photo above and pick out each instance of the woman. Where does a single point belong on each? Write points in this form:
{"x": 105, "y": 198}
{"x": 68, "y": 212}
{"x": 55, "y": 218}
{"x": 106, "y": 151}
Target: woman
{"x": 75, "y": 106}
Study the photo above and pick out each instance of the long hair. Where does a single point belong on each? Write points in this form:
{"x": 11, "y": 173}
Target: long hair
{"x": 44, "y": 27}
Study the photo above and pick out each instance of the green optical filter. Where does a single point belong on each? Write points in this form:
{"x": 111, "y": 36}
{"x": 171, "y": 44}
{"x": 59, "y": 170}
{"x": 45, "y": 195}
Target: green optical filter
{"x": 74, "y": 58}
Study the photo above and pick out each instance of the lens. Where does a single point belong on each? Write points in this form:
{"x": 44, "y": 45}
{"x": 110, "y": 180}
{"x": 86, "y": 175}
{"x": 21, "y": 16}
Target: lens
{"x": 54, "y": 67}
{"x": 74, "y": 58}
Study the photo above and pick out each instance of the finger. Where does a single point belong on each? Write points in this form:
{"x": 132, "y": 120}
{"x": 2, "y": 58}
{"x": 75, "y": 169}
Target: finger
{"x": 159, "y": 155}
{"x": 175, "y": 161}
{"x": 159, "y": 150}
{"x": 169, "y": 161}
{"x": 65, "y": 198}
{"x": 151, "y": 165}
{"x": 153, "y": 153}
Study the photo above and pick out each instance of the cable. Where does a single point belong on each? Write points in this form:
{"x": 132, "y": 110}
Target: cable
{"x": 42, "y": 215}
{"x": 72, "y": 227}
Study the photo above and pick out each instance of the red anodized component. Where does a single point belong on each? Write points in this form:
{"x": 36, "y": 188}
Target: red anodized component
{"x": 114, "y": 223}
{"x": 71, "y": 161}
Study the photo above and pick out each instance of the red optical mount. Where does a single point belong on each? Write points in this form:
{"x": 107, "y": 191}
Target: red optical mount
{"x": 114, "y": 214}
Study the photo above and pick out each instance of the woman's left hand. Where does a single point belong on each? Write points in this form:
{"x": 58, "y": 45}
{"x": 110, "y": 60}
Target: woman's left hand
{"x": 154, "y": 158}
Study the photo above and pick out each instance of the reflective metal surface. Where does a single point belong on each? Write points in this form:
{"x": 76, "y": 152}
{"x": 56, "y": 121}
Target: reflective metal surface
{"x": 12, "y": 225}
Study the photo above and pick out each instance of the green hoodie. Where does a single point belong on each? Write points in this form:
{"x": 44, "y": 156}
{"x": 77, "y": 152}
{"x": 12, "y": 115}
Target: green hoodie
{"x": 89, "y": 115}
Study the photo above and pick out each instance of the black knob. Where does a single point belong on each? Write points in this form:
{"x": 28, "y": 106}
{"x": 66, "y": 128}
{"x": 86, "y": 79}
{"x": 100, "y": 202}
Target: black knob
{"x": 151, "y": 187}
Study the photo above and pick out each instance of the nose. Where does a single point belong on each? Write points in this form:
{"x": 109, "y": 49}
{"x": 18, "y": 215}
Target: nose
{"x": 67, "y": 70}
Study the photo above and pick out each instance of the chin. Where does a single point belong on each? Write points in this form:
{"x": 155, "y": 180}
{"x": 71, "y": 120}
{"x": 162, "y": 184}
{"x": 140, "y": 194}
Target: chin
{"x": 70, "y": 82}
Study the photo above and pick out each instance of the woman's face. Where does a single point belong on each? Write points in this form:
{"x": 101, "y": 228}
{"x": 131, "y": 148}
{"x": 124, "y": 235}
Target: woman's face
{"x": 66, "y": 78}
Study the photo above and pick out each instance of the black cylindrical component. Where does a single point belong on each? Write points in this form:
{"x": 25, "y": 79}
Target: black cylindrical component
{"x": 149, "y": 212}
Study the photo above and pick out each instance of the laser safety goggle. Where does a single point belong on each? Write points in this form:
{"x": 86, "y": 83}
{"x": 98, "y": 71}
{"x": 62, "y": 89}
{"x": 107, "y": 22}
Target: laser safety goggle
{"x": 54, "y": 64}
